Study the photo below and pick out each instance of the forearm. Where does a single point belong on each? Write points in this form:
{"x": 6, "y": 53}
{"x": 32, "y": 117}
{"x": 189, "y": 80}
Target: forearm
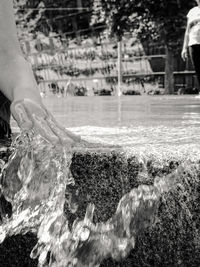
{"x": 16, "y": 77}
{"x": 186, "y": 38}
{"x": 186, "y": 41}
{"x": 17, "y": 80}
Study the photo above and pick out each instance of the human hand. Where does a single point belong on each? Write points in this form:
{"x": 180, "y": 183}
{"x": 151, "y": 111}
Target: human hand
{"x": 31, "y": 115}
{"x": 184, "y": 54}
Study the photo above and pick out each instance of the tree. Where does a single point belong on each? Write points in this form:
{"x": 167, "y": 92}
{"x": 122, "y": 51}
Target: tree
{"x": 58, "y": 16}
{"x": 160, "y": 20}
{"x": 27, "y": 20}
{"x": 38, "y": 20}
{"x": 116, "y": 14}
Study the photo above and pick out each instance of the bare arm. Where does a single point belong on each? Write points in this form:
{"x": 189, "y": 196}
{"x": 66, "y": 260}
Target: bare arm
{"x": 185, "y": 42}
{"x": 18, "y": 84}
{"x": 16, "y": 77}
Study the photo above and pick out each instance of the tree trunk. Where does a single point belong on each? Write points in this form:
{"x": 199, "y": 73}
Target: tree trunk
{"x": 169, "y": 69}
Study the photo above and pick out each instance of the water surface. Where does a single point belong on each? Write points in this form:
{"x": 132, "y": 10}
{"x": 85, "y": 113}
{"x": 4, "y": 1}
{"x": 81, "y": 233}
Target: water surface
{"x": 110, "y": 111}
{"x": 131, "y": 120}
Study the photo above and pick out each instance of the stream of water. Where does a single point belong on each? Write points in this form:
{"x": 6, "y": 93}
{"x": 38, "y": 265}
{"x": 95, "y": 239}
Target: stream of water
{"x": 35, "y": 181}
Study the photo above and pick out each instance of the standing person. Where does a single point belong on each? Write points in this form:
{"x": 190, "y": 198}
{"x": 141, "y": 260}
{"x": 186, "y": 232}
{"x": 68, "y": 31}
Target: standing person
{"x": 19, "y": 87}
{"x": 192, "y": 39}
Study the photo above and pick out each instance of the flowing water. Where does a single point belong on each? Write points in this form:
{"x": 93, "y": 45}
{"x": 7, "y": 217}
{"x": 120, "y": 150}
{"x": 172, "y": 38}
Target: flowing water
{"x": 35, "y": 181}
{"x": 36, "y": 178}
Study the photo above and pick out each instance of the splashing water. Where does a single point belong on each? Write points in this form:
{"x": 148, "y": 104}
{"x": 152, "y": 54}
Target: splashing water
{"x": 35, "y": 180}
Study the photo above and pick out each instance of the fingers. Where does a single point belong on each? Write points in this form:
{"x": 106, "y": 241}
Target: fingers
{"x": 184, "y": 55}
{"x": 47, "y": 125}
{"x": 39, "y": 119}
{"x": 65, "y": 136}
{"x": 43, "y": 129}
{"x": 183, "y": 58}
{"x": 29, "y": 115}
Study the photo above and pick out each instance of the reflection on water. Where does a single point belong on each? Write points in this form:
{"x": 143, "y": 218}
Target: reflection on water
{"x": 110, "y": 111}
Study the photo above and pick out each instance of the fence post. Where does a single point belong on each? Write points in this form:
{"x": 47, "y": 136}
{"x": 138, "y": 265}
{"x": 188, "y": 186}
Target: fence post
{"x": 119, "y": 72}
{"x": 51, "y": 45}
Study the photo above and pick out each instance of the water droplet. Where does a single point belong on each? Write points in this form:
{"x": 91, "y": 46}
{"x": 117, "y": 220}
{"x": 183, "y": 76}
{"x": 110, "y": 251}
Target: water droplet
{"x": 2, "y": 235}
{"x": 84, "y": 234}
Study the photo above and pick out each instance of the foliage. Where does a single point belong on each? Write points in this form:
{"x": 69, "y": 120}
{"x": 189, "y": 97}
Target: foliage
{"x": 116, "y": 14}
{"x": 27, "y": 20}
{"x": 158, "y": 19}
{"x": 169, "y": 18}
{"x": 153, "y": 20}
{"x": 47, "y": 16}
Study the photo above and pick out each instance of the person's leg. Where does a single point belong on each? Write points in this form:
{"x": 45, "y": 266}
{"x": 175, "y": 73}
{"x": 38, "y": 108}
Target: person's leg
{"x": 195, "y": 57}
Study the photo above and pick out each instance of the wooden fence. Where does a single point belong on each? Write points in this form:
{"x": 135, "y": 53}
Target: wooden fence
{"x": 97, "y": 64}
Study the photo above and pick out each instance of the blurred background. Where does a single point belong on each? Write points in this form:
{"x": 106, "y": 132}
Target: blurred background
{"x": 106, "y": 47}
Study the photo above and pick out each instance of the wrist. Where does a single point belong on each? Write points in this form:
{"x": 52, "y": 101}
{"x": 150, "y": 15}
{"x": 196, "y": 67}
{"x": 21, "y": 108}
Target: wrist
{"x": 17, "y": 79}
{"x": 22, "y": 92}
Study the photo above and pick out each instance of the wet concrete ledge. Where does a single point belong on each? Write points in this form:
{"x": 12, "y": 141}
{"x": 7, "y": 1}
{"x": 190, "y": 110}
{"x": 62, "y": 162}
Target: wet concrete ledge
{"x": 104, "y": 175}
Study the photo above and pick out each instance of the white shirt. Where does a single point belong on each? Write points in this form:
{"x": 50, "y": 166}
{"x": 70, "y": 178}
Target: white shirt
{"x": 194, "y": 24}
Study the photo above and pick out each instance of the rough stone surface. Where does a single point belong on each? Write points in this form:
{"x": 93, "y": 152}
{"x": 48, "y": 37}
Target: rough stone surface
{"x": 102, "y": 177}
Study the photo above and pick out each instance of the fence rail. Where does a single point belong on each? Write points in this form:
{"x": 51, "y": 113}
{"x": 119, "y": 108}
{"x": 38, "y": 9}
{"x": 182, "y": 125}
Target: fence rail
{"x": 98, "y": 65}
